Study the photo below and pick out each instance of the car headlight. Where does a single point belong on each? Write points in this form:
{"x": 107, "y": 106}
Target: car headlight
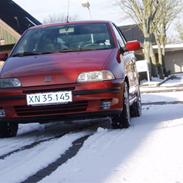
{"x": 10, "y": 83}
{"x": 95, "y": 76}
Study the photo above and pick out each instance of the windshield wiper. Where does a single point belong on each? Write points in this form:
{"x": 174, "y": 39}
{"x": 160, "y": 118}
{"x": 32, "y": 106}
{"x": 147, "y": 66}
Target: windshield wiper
{"x": 29, "y": 54}
{"x": 76, "y": 50}
{"x": 21, "y": 54}
{"x": 67, "y": 50}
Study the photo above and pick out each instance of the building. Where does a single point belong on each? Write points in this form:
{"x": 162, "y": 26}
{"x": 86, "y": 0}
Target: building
{"x": 173, "y": 58}
{"x": 173, "y": 61}
{"x": 132, "y": 32}
{"x": 13, "y": 22}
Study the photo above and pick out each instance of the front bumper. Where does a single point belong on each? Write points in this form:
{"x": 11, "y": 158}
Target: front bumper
{"x": 89, "y": 101}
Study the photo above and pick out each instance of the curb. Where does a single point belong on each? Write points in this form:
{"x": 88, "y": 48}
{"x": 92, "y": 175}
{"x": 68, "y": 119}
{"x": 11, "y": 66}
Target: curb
{"x": 159, "y": 88}
{"x": 162, "y": 103}
{"x": 165, "y": 80}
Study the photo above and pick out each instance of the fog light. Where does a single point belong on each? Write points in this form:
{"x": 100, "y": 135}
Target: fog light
{"x": 106, "y": 105}
{"x": 2, "y": 113}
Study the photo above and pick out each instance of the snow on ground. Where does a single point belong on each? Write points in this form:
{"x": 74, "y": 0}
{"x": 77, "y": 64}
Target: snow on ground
{"x": 148, "y": 152}
{"x": 162, "y": 97}
{"x": 154, "y": 82}
{"x": 19, "y": 166}
{"x": 177, "y": 80}
{"x": 24, "y": 137}
{"x": 26, "y": 128}
{"x": 172, "y": 83}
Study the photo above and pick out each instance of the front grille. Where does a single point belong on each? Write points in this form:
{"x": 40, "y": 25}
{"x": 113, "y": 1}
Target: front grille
{"x": 51, "y": 109}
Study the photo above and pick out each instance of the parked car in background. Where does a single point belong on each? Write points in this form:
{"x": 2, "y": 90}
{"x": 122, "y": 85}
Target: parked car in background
{"x": 77, "y": 70}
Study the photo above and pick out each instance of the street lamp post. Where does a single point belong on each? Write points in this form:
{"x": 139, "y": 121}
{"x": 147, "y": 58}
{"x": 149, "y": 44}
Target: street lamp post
{"x": 68, "y": 9}
{"x": 86, "y": 4}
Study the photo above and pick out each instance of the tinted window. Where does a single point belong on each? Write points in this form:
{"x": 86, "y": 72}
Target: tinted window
{"x": 63, "y": 38}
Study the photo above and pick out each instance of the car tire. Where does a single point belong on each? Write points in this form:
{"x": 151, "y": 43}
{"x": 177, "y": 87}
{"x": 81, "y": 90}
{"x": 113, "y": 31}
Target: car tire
{"x": 8, "y": 129}
{"x": 123, "y": 119}
{"x": 136, "y": 108}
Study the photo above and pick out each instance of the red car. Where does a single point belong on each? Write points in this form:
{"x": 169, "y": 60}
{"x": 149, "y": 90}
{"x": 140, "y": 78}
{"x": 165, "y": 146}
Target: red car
{"x": 78, "y": 70}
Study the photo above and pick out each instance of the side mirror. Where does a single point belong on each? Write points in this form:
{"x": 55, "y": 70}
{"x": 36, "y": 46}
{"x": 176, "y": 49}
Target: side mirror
{"x": 3, "y": 56}
{"x": 133, "y": 45}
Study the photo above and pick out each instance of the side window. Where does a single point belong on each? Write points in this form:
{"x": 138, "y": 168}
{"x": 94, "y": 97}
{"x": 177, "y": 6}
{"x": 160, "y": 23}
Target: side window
{"x": 120, "y": 38}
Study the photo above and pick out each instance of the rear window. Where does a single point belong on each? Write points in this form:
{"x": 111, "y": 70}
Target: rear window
{"x": 78, "y": 37}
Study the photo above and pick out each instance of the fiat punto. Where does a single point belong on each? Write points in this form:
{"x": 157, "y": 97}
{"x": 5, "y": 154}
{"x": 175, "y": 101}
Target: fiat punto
{"x": 70, "y": 71}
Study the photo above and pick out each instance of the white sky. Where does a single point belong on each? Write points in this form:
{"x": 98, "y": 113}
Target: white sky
{"x": 100, "y": 9}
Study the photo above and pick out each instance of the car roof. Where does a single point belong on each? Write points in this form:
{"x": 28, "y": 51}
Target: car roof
{"x": 70, "y": 23}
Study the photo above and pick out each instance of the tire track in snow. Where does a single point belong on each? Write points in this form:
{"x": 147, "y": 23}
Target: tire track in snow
{"x": 30, "y": 146}
{"x": 71, "y": 152}
{"x": 38, "y": 142}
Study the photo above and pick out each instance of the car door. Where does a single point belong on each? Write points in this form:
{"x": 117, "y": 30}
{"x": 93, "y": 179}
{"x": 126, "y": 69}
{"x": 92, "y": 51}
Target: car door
{"x": 129, "y": 60}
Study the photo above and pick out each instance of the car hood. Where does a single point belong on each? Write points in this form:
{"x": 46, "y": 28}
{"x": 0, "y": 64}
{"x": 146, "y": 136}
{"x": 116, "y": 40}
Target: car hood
{"x": 62, "y": 68}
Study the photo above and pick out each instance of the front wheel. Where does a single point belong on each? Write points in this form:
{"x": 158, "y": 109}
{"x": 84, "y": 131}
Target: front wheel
{"x": 8, "y": 129}
{"x": 123, "y": 119}
{"x": 136, "y": 108}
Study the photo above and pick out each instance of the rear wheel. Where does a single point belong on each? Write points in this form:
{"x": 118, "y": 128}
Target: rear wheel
{"x": 8, "y": 129}
{"x": 123, "y": 119}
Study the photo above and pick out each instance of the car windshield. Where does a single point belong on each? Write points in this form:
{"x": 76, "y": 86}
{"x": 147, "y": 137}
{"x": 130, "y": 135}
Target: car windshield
{"x": 67, "y": 38}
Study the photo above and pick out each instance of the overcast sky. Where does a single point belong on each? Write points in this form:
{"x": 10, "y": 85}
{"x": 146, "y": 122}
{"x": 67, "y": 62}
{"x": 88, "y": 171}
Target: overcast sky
{"x": 100, "y": 9}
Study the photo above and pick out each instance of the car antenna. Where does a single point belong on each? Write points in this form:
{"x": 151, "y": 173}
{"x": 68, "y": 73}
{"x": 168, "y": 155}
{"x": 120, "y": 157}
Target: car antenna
{"x": 68, "y": 8}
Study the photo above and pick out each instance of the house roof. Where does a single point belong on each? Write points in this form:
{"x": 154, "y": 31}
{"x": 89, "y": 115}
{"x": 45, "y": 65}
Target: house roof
{"x": 133, "y": 32}
{"x": 15, "y": 16}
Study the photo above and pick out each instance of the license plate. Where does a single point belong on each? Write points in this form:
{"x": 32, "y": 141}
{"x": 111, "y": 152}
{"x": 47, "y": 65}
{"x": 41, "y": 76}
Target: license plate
{"x": 49, "y": 98}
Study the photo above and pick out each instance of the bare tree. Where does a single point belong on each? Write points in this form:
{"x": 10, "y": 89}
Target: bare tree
{"x": 143, "y": 12}
{"x": 179, "y": 28}
{"x": 59, "y": 19}
{"x": 153, "y": 17}
{"x": 168, "y": 11}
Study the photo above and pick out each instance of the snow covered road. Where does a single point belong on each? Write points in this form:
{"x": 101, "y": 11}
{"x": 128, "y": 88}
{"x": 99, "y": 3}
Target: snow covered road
{"x": 150, "y": 151}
